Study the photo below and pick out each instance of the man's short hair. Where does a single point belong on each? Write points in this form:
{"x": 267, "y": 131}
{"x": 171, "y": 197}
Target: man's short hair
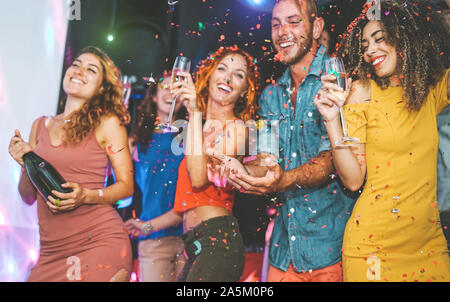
{"x": 311, "y": 6}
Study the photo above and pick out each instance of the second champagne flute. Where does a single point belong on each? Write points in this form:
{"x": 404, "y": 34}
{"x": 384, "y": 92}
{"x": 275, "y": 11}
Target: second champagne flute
{"x": 182, "y": 64}
{"x": 335, "y": 66}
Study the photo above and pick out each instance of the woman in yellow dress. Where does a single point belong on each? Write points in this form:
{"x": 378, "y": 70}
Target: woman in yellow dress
{"x": 400, "y": 64}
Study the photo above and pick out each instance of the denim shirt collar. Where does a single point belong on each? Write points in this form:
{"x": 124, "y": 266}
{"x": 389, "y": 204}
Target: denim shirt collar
{"x": 315, "y": 69}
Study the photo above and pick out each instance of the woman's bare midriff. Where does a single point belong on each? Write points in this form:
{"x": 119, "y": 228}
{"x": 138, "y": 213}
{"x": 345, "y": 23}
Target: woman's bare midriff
{"x": 195, "y": 216}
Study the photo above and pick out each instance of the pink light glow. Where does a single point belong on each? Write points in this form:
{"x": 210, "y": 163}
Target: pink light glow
{"x": 32, "y": 254}
{"x": 2, "y": 90}
{"x": 133, "y": 277}
{"x": 2, "y": 219}
{"x": 59, "y": 23}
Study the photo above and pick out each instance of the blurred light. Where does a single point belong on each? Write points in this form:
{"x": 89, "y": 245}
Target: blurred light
{"x": 16, "y": 173}
{"x": 2, "y": 219}
{"x": 49, "y": 37}
{"x": 11, "y": 267}
{"x": 133, "y": 277}
{"x": 32, "y": 254}
{"x": 201, "y": 26}
{"x": 2, "y": 91}
{"x": 110, "y": 38}
{"x": 259, "y": 5}
{"x": 125, "y": 202}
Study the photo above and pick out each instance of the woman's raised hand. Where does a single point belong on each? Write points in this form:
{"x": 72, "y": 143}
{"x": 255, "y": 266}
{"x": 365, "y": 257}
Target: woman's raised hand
{"x": 185, "y": 91}
{"x": 330, "y": 98}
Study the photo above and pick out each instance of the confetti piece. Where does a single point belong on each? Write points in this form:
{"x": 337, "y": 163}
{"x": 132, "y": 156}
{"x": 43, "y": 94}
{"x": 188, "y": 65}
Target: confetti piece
{"x": 279, "y": 57}
{"x": 111, "y": 152}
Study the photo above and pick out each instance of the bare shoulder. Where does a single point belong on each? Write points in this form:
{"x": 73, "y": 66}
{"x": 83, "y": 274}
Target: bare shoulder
{"x": 33, "y": 133}
{"x": 359, "y": 93}
{"x": 110, "y": 121}
{"x": 110, "y": 127}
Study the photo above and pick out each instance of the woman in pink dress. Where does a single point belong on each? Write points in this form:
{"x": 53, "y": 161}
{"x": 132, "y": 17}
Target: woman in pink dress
{"x": 82, "y": 237}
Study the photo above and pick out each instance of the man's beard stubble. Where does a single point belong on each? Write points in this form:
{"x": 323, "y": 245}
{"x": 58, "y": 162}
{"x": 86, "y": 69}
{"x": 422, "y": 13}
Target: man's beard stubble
{"x": 303, "y": 49}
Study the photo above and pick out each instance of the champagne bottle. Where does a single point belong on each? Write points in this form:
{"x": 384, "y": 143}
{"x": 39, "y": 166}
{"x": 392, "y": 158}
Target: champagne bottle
{"x": 43, "y": 175}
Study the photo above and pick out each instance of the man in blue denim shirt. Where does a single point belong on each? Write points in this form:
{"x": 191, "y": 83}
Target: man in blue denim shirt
{"x": 308, "y": 230}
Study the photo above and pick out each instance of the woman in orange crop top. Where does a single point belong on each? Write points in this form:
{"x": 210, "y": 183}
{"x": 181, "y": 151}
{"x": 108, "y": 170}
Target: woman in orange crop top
{"x": 224, "y": 95}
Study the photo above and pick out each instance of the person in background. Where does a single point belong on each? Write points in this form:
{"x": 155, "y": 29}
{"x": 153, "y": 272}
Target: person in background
{"x": 160, "y": 254}
{"x": 325, "y": 40}
{"x": 443, "y": 168}
{"x": 402, "y": 84}
{"x": 82, "y": 237}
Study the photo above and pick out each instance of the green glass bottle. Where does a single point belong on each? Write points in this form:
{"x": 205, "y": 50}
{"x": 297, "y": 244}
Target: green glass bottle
{"x": 43, "y": 175}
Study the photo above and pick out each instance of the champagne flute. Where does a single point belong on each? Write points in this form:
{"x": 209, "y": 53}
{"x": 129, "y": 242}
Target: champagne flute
{"x": 127, "y": 82}
{"x": 181, "y": 64}
{"x": 336, "y": 67}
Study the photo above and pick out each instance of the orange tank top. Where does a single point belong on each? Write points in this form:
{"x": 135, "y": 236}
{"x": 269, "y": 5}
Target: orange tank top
{"x": 187, "y": 198}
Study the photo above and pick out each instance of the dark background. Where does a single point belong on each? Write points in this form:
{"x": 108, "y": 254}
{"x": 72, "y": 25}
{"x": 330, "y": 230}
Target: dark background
{"x": 149, "y": 34}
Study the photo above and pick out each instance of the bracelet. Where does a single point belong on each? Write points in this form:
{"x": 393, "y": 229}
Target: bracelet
{"x": 147, "y": 228}
{"x": 100, "y": 193}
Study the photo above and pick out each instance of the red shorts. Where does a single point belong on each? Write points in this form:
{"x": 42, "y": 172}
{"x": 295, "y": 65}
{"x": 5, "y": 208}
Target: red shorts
{"x": 332, "y": 273}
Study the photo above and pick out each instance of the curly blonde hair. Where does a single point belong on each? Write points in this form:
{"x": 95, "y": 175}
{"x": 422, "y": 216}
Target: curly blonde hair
{"x": 246, "y": 107}
{"x": 108, "y": 102}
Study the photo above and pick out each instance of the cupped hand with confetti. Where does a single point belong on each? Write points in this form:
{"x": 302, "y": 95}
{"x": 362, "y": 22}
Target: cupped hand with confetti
{"x": 237, "y": 175}
{"x": 221, "y": 167}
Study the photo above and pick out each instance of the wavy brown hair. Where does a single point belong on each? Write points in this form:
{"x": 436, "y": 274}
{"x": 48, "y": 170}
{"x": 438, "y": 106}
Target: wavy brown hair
{"x": 246, "y": 107}
{"x": 417, "y": 31}
{"x": 108, "y": 102}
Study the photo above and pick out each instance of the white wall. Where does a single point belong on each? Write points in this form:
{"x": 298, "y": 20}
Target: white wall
{"x": 32, "y": 40}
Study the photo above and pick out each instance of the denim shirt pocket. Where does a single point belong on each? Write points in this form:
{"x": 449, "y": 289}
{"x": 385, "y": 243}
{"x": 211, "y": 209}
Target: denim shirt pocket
{"x": 282, "y": 123}
{"x": 311, "y": 131}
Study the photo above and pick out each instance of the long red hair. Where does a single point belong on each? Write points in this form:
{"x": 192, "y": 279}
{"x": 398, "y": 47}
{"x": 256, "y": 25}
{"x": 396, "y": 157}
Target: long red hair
{"x": 246, "y": 107}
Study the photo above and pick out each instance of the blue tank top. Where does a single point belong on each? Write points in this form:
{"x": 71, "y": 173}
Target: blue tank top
{"x": 156, "y": 174}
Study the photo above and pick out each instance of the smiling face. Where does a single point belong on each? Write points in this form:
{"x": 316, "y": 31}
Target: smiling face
{"x": 377, "y": 52}
{"x": 228, "y": 82}
{"x": 292, "y": 31}
{"x": 83, "y": 79}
